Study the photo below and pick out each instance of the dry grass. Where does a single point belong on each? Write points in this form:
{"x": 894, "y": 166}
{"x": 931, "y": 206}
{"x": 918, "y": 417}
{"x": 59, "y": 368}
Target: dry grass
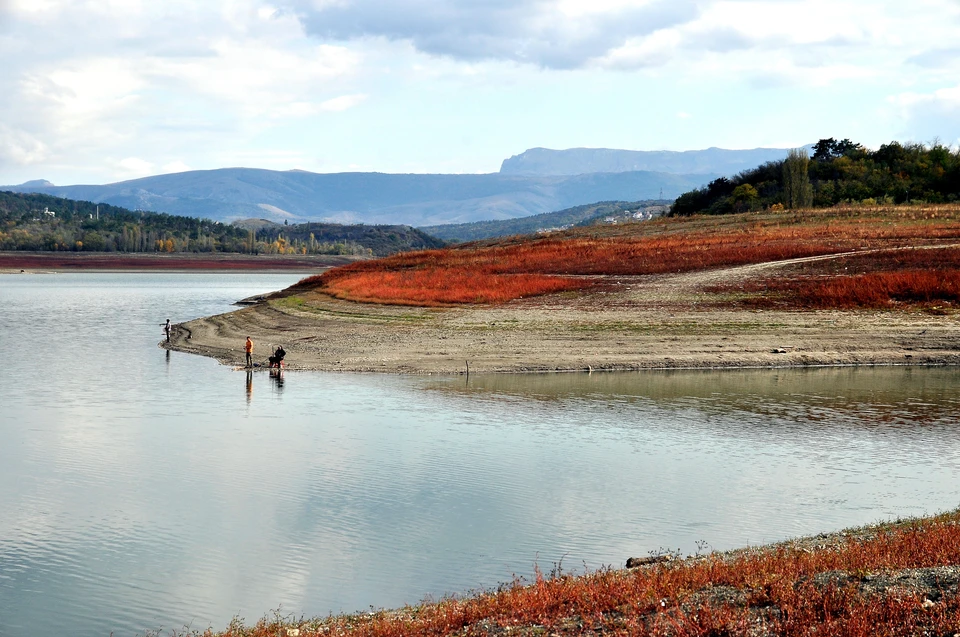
{"x": 498, "y": 272}
{"x": 767, "y": 591}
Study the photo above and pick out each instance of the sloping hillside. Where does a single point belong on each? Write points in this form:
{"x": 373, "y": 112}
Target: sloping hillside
{"x": 582, "y": 258}
{"x": 578, "y": 215}
{"x": 38, "y": 222}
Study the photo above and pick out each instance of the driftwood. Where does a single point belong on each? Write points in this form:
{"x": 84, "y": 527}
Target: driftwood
{"x": 634, "y": 562}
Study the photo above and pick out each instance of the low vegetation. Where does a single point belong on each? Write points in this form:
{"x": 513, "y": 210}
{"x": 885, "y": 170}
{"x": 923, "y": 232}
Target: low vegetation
{"x": 892, "y": 579}
{"x": 498, "y": 271}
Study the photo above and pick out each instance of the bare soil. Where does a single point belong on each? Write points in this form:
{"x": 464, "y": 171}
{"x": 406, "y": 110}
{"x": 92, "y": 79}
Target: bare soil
{"x": 624, "y": 323}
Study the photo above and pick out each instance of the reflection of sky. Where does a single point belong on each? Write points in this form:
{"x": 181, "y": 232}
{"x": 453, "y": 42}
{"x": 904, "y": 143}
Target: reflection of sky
{"x": 140, "y": 493}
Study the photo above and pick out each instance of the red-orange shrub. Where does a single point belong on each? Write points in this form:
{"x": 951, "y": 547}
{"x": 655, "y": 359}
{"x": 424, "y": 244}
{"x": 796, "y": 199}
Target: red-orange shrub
{"x": 445, "y": 286}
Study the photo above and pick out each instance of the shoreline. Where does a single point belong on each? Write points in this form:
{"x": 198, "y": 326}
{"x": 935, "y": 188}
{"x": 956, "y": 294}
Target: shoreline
{"x": 653, "y": 322}
{"x": 58, "y": 262}
{"x": 890, "y": 574}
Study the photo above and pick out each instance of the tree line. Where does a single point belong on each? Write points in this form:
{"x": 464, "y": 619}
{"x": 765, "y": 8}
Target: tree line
{"x": 838, "y": 172}
{"x": 45, "y": 223}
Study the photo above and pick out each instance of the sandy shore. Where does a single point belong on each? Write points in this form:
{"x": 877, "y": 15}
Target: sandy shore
{"x": 628, "y": 323}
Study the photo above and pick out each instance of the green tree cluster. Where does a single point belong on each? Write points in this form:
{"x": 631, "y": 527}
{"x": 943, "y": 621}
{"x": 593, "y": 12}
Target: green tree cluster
{"x": 838, "y": 172}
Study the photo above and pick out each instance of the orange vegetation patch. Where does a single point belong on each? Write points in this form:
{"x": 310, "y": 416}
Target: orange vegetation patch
{"x": 445, "y": 286}
{"x": 923, "y": 278}
{"x": 486, "y": 274}
{"x": 781, "y": 590}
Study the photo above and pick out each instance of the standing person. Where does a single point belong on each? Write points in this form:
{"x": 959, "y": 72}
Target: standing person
{"x": 166, "y": 329}
{"x": 248, "y": 348}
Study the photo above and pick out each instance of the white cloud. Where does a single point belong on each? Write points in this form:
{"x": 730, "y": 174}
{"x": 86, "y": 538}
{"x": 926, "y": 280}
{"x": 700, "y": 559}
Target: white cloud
{"x": 928, "y": 116}
{"x": 18, "y": 147}
{"x": 135, "y": 167}
{"x": 547, "y": 33}
{"x": 342, "y": 103}
{"x": 175, "y": 167}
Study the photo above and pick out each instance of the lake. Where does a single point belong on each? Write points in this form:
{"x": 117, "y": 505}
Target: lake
{"x": 145, "y": 490}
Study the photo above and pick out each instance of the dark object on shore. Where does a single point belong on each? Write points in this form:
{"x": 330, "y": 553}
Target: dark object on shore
{"x": 252, "y": 300}
{"x": 634, "y": 562}
{"x": 277, "y": 359}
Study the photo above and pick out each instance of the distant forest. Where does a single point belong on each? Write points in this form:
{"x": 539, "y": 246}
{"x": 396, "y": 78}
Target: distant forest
{"x": 45, "y": 223}
{"x": 839, "y": 172}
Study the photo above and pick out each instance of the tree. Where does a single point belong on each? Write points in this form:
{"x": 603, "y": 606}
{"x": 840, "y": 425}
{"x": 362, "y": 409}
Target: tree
{"x": 744, "y": 198}
{"x": 797, "y": 191}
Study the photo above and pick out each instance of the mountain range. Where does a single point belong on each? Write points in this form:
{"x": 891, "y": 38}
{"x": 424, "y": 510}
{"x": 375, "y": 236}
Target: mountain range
{"x": 528, "y": 184}
{"x": 576, "y": 161}
{"x": 417, "y": 200}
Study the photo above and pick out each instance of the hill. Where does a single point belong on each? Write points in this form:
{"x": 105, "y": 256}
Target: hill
{"x": 575, "y": 161}
{"x": 609, "y": 211}
{"x": 497, "y": 271}
{"x": 838, "y": 172}
{"x": 380, "y": 240}
{"x": 236, "y": 193}
{"x": 47, "y": 223}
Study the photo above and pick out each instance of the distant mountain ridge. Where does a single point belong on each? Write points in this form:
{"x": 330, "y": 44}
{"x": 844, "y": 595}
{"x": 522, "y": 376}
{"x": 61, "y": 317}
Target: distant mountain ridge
{"x": 374, "y": 198}
{"x": 577, "y": 161}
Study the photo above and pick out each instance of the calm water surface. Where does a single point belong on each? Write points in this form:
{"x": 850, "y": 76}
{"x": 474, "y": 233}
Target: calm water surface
{"x": 143, "y": 491}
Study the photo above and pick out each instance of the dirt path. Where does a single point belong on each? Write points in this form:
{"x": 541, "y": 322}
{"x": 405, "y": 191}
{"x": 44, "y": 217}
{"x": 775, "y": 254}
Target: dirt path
{"x": 643, "y": 322}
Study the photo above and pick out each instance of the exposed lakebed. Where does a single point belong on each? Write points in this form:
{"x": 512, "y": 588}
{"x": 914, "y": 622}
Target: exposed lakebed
{"x": 145, "y": 489}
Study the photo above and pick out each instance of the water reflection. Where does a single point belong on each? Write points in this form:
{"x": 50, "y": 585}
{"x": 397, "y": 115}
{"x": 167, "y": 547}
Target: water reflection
{"x": 249, "y": 385}
{"x": 276, "y": 375}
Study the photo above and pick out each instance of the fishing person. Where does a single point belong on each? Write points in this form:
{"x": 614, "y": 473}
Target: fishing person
{"x": 277, "y": 359}
{"x": 166, "y": 329}
{"x": 248, "y": 348}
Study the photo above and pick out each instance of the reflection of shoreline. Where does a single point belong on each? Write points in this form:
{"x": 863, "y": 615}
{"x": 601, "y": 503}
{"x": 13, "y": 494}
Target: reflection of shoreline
{"x": 784, "y": 402}
{"x": 867, "y": 384}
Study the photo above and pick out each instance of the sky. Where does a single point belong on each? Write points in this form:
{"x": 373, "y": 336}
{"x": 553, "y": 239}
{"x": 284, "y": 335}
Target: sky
{"x": 107, "y": 90}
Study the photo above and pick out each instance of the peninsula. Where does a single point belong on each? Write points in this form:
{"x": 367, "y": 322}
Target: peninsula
{"x": 846, "y": 285}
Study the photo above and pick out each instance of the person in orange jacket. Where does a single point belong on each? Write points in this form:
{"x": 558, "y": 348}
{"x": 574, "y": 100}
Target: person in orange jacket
{"x": 248, "y": 348}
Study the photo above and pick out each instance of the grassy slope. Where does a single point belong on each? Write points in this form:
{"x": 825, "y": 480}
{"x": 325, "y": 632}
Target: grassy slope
{"x": 578, "y": 215}
{"x": 497, "y": 271}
